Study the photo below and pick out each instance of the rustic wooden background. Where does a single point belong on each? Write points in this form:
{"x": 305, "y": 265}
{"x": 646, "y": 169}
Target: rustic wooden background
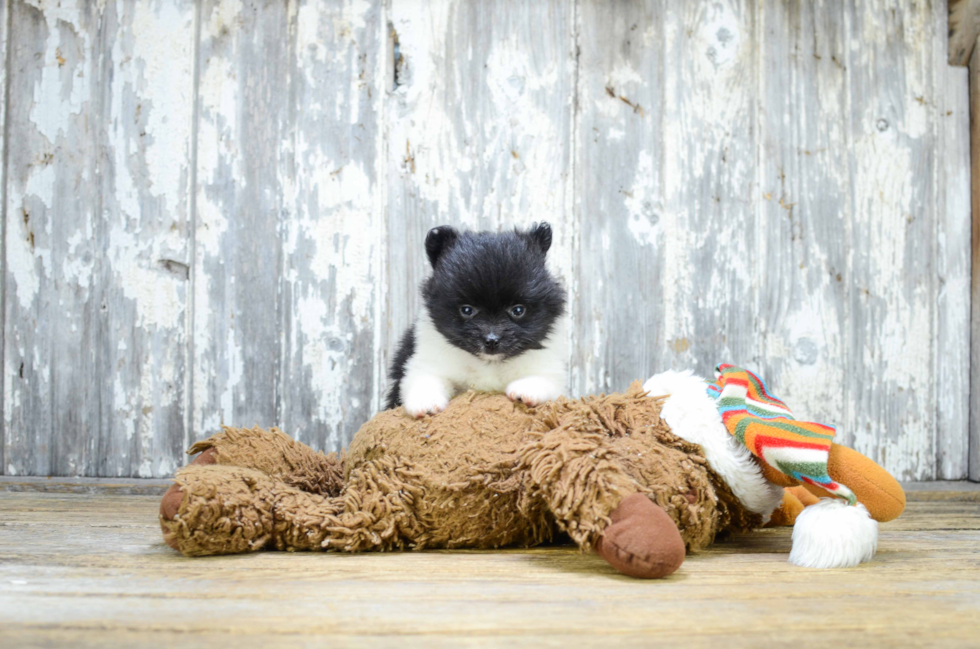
{"x": 214, "y": 211}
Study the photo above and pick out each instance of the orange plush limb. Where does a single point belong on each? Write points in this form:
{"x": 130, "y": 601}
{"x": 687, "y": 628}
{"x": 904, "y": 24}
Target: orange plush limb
{"x": 874, "y": 487}
{"x": 789, "y": 508}
{"x": 793, "y": 502}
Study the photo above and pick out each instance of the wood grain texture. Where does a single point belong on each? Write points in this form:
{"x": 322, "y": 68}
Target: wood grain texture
{"x": 804, "y": 211}
{"x": 974, "y": 430}
{"x": 96, "y": 218}
{"x": 214, "y": 212}
{"x": 146, "y": 171}
{"x": 93, "y": 486}
{"x": 952, "y": 293}
{"x": 891, "y": 302}
{"x": 87, "y": 570}
{"x": 243, "y": 94}
{"x": 54, "y": 302}
{"x": 964, "y": 26}
{"x": 333, "y": 229}
{"x": 712, "y": 267}
{"x": 619, "y": 196}
{"x": 289, "y": 232}
{"x": 4, "y": 100}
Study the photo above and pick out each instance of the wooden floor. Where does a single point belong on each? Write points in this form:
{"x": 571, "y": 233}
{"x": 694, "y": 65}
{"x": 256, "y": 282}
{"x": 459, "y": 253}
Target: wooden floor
{"x": 89, "y": 570}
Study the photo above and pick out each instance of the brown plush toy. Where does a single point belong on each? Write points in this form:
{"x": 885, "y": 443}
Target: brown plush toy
{"x": 609, "y": 471}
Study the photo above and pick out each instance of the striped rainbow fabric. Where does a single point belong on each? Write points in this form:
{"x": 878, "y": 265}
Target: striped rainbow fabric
{"x": 765, "y": 426}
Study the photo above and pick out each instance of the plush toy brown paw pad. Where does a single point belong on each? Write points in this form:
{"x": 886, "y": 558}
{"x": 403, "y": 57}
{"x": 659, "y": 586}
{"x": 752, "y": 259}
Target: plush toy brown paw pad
{"x": 170, "y": 504}
{"x": 642, "y": 540}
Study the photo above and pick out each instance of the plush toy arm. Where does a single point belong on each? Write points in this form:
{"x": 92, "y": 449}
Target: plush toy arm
{"x": 215, "y": 509}
{"x": 874, "y": 487}
{"x": 276, "y": 454}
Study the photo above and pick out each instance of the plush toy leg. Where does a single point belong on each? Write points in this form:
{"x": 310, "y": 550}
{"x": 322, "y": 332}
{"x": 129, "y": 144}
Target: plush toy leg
{"x": 642, "y": 540}
{"x": 227, "y": 509}
{"x": 795, "y": 499}
{"x": 874, "y": 487}
{"x": 785, "y": 515}
{"x": 600, "y": 505}
{"x": 278, "y": 455}
{"x": 170, "y": 503}
{"x": 832, "y": 534}
{"x": 270, "y": 451}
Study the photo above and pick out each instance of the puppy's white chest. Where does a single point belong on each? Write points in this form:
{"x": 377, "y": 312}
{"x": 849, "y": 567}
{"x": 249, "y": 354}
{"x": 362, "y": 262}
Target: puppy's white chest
{"x": 489, "y": 377}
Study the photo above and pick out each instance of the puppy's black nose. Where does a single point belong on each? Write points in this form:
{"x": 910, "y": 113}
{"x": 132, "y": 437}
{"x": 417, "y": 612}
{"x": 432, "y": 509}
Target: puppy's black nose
{"x": 490, "y": 341}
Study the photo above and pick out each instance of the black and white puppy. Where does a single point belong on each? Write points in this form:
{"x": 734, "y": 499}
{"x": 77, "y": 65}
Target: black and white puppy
{"x": 493, "y": 319}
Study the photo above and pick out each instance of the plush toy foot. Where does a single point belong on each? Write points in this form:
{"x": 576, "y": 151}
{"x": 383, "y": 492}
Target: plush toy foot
{"x": 171, "y": 500}
{"x": 223, "y": 510}
{"x": 793, "y": 502}
{"x": 642, "y": 540}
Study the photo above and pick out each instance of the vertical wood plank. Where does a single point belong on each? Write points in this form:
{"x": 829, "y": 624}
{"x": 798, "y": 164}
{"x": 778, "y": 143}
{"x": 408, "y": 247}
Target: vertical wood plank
{"x": 619, "y": 191}
{"x": 289, "y": 233}
{"x": 96, "y": 230}
{"x": 951, "y": 118}
{"x": 148, "y": 53}
{"x": 244, "y": 61}
{"x": 804, "y": 208}
{"x": 333, "y": 222}
{"x": 479, "y": 123}
{"x": 891, "y": 305}
{"x": 54, "y": 236}
{"x": 4, "y": 16}
{"x": 974, "y": 442}
{"x": 963, "y": 19}
{"x": 710, "y": 179}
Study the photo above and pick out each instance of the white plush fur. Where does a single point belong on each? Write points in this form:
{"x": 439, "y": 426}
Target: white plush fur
{"x": 693, "y": 416}
{"x": 437, "y": 371}
{"x": 833, "y": 534}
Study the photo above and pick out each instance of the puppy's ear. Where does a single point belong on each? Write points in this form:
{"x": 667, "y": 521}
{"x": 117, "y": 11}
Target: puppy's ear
{"x": 438, "y": 241}
{"x": 540, "y": 235}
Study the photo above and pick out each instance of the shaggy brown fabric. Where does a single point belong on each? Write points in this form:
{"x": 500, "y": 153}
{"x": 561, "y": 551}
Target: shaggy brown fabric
{"x": 276, "y": 454}
{"x": 486, "y": 472}
{"x": 170, "y": 504}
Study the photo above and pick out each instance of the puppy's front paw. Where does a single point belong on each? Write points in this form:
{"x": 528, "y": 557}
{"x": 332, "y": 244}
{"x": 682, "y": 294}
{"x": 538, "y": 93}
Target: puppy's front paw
{"x": 426, "y": 396}
{"x": 533, "y": 390}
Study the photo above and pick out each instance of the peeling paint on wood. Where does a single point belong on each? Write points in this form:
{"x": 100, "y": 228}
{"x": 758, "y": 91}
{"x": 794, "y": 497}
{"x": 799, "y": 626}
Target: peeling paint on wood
{"x": 54, "y": 234}
{"x": 619, "y": 206}
{"x": 96, "y": 208}
{"x": 891, "y": 233}
{"x": 952, "y": 291}
{"x": 974, "y": 430}
{"x": 334, "y": 237}
{"x": 4, "y": 9}
{"x": 214, "y": 212}
{"x": 804, "y": 188}
{"x": 289, "y": 234}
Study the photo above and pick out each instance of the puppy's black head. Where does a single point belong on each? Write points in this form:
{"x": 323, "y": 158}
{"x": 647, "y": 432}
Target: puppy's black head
{"x": 490, "y": 294}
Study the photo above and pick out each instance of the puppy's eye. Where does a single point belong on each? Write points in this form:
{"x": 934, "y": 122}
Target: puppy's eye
{"x": 467, "y": 311}
{"x": 518, "y": 311}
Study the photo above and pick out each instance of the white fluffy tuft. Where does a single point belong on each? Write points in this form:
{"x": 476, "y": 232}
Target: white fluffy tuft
{"x": 833, "y": 534}
{"x": 693, "y": 416}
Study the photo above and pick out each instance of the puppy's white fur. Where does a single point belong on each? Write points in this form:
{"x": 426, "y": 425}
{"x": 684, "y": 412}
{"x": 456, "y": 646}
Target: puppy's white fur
{"x": 437, "y": 371}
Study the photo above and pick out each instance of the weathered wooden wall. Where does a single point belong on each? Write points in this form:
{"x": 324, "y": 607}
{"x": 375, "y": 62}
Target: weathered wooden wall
{"x": 214, "y": 211}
